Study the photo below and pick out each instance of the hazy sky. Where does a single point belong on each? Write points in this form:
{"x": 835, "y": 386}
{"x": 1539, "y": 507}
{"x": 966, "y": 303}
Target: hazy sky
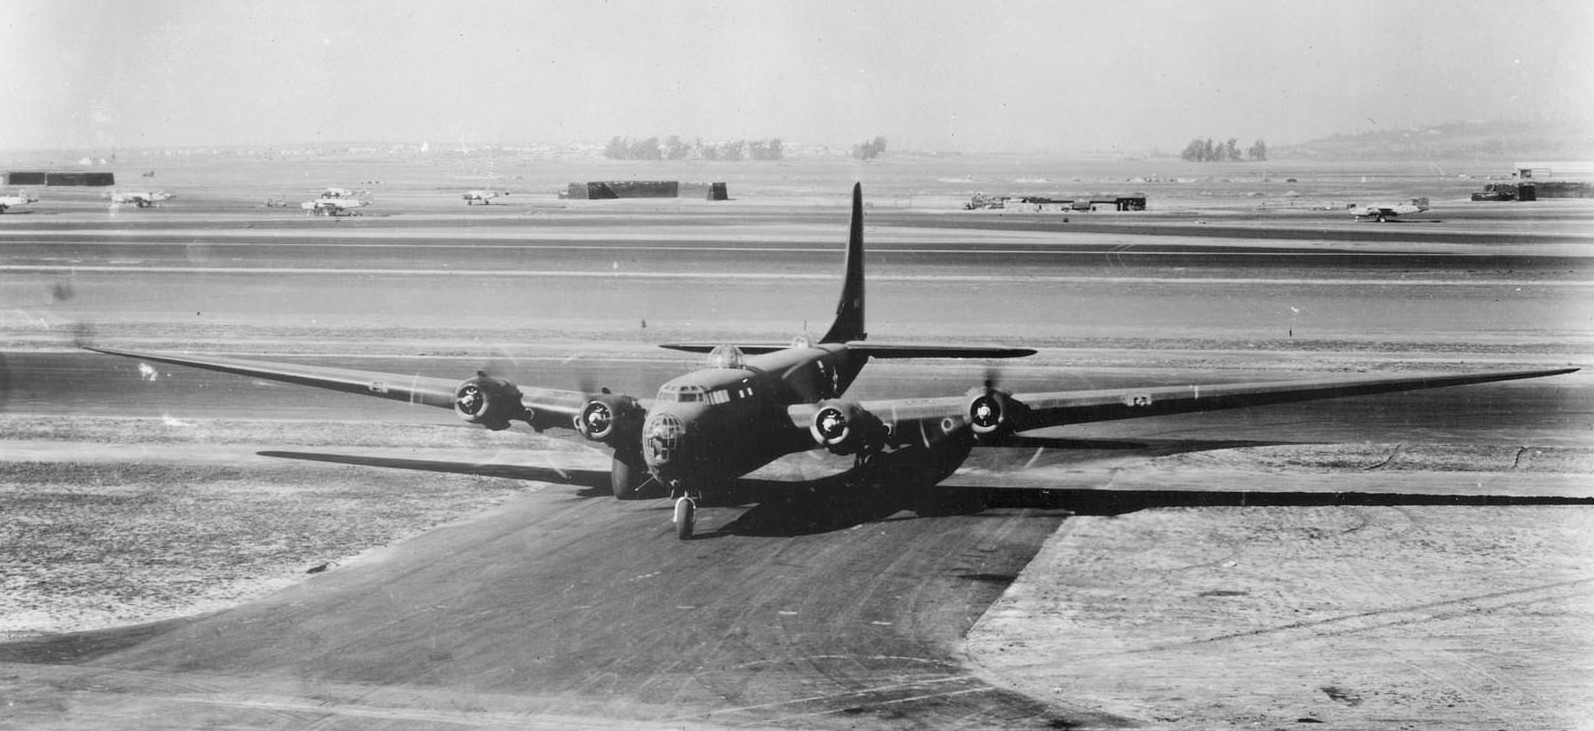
{"x": 961, "y": 75}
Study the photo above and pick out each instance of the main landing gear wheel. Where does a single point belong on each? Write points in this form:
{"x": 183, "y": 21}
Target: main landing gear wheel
{"x": 628, "y": 475}
{"x": 685, "y": 517}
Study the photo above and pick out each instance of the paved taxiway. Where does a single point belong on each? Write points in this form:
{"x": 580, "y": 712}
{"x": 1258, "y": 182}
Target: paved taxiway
{"x": 565, "y": 604}
{"x": 562, "y": 608}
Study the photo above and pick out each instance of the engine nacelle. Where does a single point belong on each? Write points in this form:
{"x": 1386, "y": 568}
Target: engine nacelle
{"x": 611, "y": 418}
{"x": 844, "y": 427}
{"x": 992, "y": 413}
{"x": 489, "y": 401}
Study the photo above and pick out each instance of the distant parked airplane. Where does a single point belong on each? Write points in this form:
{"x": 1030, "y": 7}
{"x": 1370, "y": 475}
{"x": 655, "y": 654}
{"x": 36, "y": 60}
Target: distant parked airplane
{"x": 334, "y": 206}
{"x": 485, "y": 196}
{"x": 142, "y": 198}
{"x": 20, "y": 199}
{"x": 1385, "y": 211}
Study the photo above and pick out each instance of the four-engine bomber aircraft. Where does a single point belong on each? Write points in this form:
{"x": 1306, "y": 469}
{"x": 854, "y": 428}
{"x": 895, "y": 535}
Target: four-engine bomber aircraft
{"x": 753, "y": 404}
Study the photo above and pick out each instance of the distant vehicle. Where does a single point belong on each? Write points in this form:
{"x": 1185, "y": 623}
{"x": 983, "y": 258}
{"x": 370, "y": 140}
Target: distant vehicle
{"x": 341, "y": 193}
{"x": 334, "y": 206}
{"x": 1503, "y": 192}
{"x": 1384, "y": 211}
{"x": 485, "y": 196}
{"x": 20, "y": 199}
{"x": 142, "y": 198}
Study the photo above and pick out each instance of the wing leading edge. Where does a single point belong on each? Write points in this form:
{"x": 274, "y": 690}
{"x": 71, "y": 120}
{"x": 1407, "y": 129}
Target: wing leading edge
{"x": 549, "y": 407}
{"x": 908, "y": 419}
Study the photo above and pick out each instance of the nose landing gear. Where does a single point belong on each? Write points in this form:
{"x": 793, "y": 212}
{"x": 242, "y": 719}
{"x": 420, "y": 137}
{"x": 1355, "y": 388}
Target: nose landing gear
{"x": 685, "y": 514}
{"x": 685, "y": 517}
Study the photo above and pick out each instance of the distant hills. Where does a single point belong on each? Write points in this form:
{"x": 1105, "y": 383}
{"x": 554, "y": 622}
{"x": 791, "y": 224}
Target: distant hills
{"x": 1456, "y": 140}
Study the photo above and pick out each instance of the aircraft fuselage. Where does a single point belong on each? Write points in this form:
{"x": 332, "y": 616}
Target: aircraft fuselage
{"x": 721, "y": 422}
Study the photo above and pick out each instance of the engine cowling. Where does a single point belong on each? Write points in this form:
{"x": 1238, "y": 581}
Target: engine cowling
{"x": 993, "y": 413}
{"x": 611, "y": 418}
{"x": 845, "y": 427}
{"x": 489, "y": 401}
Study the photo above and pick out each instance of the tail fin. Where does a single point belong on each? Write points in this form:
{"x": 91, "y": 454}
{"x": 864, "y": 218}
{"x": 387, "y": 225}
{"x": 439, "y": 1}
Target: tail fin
{"x": 849, "y": 312}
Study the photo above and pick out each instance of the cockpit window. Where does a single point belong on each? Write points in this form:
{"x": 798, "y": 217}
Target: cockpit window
{"x": 725, "y": 356}
{"x": 680, "y": 394}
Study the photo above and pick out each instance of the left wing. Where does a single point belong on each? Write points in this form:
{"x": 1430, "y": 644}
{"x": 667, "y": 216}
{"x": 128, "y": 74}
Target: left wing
{"x": 543, "y": 408}
{"x": 997, "y": 413}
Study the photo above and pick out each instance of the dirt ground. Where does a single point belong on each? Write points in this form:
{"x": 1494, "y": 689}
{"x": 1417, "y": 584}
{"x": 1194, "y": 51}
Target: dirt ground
{"x": 123, "y": 521}
{"x": 1359, "y": 616}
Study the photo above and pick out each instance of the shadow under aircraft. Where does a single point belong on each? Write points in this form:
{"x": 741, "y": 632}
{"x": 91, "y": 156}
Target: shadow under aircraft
{"x": 887, "y": 488}
{"x": 754, "y": 403}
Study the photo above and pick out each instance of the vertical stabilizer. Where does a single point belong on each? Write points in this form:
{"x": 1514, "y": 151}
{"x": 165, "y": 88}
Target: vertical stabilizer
{"x": 849, "y": 311}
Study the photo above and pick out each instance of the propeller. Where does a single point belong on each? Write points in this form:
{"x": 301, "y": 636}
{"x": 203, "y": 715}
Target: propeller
{"x": 470, "y": 400}
{"x": 831, "y": 424}
{"x": 993, "y": 376}
{"x": 597, "y": 417}
{"x": 984, "y": 414}
{"x": 992, "y": 411}
{"x": 83, "y": 334}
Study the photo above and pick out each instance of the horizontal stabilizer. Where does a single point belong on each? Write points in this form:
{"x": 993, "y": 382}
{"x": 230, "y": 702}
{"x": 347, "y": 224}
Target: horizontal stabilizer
{"x": 894, "y": 350}
{"x": 748, "y": 348}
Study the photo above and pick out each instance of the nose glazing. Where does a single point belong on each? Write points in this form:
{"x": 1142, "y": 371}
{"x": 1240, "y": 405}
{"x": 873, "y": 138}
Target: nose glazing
{"x": 665, "y": 433}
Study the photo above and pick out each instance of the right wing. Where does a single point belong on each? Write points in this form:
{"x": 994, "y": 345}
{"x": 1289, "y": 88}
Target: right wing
{"x": 927, "y": 420}
{"x": 546, "y": 407}
{"x": 1077, "y": 407}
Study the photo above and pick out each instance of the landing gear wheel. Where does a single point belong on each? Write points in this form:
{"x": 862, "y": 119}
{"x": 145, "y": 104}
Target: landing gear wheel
{"x": 628, "y": 475}
{"x": 685, "y": 517}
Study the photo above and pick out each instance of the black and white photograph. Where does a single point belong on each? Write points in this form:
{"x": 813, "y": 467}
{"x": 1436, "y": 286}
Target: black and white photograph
{"x": 872, "y": 365}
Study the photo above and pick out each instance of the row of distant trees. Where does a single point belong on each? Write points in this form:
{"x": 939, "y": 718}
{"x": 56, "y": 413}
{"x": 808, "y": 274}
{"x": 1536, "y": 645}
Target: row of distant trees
{"x": 1206, "y": 150}
{"x": 869, "y": 149}
{"x": 675, "y": 148}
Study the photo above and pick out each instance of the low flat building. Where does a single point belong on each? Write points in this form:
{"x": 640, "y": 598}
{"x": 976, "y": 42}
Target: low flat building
{"x": 24, "y": 177}
{"x": 611, "y": 190}
{"x": 1568, "y": 171}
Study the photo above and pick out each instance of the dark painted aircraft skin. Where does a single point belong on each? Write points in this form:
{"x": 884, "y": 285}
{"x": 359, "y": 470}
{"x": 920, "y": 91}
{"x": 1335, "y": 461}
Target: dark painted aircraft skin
{"x": 755, "y": 403}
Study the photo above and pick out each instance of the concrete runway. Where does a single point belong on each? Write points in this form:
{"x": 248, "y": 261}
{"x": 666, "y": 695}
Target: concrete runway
{"x": 564, "y": 609}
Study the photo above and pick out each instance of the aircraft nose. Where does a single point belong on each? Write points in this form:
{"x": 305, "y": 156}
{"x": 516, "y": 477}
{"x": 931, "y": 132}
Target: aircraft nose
{"x": 663, "y": 438}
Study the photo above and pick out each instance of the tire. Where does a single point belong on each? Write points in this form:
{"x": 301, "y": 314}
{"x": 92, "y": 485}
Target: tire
{"x": 685, "y": 518}
{"x": 627, "y": 476}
